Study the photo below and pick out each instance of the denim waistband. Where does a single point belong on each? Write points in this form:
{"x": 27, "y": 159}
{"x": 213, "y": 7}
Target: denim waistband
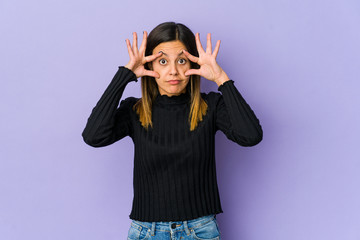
{"x": 173, "y": 226}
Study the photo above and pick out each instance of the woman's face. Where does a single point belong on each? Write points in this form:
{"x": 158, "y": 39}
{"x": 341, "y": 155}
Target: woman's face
{"x": 171, "y": 66}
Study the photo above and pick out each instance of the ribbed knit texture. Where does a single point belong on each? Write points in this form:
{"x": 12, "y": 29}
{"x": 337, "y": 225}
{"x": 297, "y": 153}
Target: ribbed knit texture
{"x": 174, "y": 168}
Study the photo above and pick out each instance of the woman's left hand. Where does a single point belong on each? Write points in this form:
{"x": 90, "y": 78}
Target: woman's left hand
{"x": 209, "y": 68}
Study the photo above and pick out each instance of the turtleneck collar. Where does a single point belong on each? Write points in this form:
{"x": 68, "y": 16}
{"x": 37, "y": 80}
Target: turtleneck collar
{"x": 173, "y": 100}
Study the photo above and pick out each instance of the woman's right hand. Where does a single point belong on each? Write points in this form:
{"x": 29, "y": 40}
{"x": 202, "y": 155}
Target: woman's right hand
{"x": 138, "y": 59}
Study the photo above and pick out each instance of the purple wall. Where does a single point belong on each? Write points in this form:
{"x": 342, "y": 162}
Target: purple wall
{"x": 296, "y": 63}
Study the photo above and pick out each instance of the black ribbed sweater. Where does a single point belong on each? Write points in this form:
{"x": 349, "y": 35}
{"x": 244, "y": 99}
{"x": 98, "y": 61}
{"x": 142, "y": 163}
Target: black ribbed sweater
{"x": 174, "y": 175}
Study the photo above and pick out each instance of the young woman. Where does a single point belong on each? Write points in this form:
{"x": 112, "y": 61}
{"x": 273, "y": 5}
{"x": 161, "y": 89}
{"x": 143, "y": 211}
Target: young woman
{"x": 173, "y": 128}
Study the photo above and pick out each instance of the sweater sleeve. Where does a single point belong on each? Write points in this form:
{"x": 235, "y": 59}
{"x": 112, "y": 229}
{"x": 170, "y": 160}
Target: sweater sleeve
{"x": 235, "y": 117}
{"x": 108, "y": 123}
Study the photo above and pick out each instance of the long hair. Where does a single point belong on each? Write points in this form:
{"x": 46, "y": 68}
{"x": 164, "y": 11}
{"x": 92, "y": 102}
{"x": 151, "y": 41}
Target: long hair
{"x": 166, "y": 32}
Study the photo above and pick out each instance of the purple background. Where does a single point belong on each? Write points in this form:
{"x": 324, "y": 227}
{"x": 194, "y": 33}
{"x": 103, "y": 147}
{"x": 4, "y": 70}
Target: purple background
{"x": 297, "y": 64}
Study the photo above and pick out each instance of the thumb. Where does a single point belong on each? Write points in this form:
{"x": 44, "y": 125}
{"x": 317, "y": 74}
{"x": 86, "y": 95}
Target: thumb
{"x": 152, "y": 74}
{"x": 192, "y": 72}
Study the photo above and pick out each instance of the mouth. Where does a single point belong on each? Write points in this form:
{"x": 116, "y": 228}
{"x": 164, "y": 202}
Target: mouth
{"x": 173, "y": 82}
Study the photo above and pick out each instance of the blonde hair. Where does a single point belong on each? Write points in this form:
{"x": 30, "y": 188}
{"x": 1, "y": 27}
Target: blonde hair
{"x": 149, "y": 91}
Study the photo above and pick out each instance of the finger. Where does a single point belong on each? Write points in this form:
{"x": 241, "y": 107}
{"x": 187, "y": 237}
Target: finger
{"x": 216, "y": 50}
{"x": 153, "y": 57}
{"x": 151, "y": 73}
{"x": 135, "y": 46}
{"x": 208, "y": 43}
{"x": 191, "y": 57}
{"x": 192, "y": 72}
{"x": 143, "y": 43}
{"x": 198, "y": 43}
{"x": 131, "y": 54}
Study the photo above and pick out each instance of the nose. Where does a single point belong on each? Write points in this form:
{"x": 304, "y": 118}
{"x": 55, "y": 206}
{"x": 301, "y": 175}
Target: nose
{"x": 173, "y": 69}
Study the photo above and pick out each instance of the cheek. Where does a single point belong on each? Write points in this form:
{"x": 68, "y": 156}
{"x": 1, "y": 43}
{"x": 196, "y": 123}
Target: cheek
{"x": 155, "y": 66}
{"x": 185, "y": 67}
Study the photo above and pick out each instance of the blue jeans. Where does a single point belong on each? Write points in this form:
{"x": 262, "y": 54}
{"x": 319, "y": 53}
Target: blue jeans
{"x": 202, "y": 228}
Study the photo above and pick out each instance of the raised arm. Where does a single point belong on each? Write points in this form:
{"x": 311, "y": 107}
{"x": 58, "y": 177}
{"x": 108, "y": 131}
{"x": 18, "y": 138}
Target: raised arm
{"x": 108, "y": 123}
{"x": 234, "y": 116}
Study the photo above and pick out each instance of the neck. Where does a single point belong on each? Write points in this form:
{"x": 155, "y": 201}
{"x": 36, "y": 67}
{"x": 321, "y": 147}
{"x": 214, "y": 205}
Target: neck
{"x": 180, "y": 98}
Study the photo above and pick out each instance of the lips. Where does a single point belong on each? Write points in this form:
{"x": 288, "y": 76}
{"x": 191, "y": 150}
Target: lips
{"x": 174, "y": 81}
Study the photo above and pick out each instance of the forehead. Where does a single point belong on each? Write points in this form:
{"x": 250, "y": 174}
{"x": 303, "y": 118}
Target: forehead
{"x": 173, "y": 47}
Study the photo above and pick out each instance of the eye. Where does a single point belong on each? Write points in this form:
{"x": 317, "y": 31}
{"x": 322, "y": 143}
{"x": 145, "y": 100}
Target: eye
{"x": 162, "y": 61}
{"x": 182, "y": 61}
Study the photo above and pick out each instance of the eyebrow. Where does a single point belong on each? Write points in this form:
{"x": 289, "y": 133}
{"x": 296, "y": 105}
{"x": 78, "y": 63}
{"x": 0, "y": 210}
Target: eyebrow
{"x": 168, "y": 55}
